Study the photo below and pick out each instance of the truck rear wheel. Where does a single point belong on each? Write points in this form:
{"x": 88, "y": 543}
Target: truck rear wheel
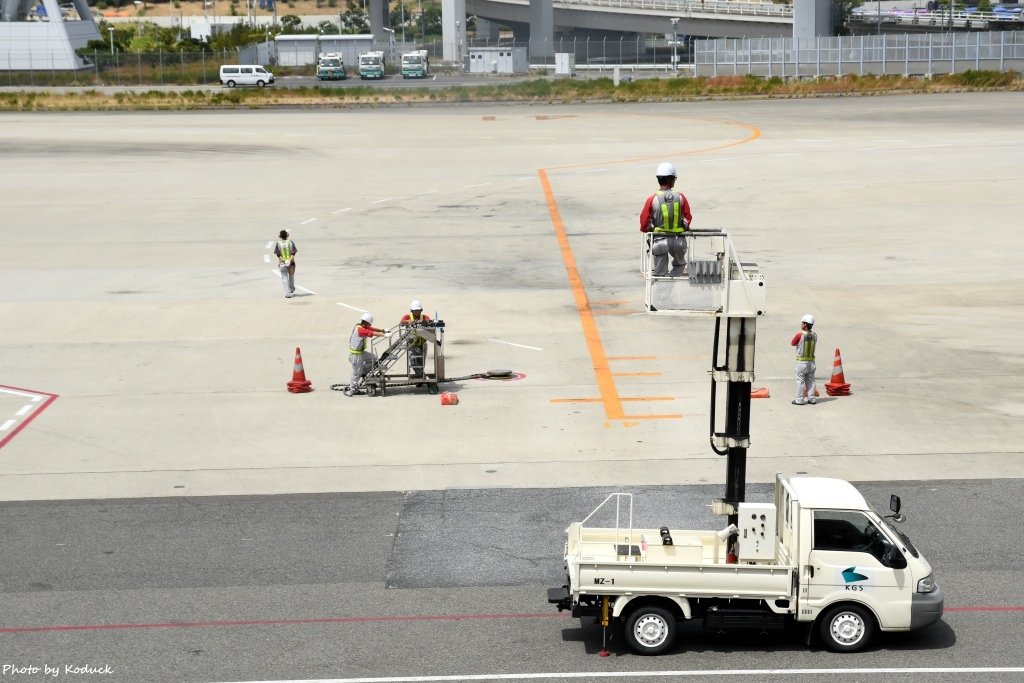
{"x": 650, "y": 630}
{"x": 847, "y": 628}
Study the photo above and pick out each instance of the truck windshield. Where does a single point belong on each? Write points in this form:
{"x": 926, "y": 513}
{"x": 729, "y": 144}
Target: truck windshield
{"x": 331, "y": 62}
{"x": 902, "y": 536}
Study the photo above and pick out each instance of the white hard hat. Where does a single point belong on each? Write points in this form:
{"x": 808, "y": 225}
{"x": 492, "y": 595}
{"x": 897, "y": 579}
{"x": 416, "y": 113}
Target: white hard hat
{"x": 665, "y": 169}
{"x": 416, "y": 305}
{"x": 809, "y": 319}
{"x": 367, "y": 318}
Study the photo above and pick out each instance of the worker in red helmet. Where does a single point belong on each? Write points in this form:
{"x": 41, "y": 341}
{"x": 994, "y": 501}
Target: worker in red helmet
{"x": 666, "y": 213}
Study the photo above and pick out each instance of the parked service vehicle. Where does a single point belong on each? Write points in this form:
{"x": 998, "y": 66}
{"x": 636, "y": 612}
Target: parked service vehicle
{"x": 331, "y": 67}
{"x": 819, "y": 556}
{"x": 415, "y": 64}
{"x": 245, "y": 74}
{"x": 371, "y": 65}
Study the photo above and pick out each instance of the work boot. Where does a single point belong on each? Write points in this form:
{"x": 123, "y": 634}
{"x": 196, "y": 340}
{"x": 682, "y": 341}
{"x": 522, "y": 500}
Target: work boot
{"x": 798, "y": 402}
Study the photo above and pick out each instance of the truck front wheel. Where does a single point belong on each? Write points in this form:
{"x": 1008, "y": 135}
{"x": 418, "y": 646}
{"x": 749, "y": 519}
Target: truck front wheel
{"x": 650, "y": 630}
{"x": 847, "y": 628}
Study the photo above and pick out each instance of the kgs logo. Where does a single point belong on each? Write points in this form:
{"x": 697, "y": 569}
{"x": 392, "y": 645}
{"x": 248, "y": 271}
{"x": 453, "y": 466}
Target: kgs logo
{"x": 851, "y": 576}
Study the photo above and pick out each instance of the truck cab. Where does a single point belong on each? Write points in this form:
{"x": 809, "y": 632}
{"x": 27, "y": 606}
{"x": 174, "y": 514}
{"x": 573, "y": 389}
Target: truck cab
{"x": 371, "y": 65}
{"x": 331, "y": 67}
{"x": 818, "y": 555}
{"x": 415, "y": 64}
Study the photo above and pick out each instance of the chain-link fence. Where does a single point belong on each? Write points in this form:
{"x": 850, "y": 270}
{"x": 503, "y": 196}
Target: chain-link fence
{"x": 130, "y": 68}
{"x": 907, "y": 54}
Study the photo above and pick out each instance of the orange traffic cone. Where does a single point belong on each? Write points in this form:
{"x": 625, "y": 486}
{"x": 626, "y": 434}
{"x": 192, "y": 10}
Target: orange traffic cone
{"x": 299, "y": 383}
{"x": 838, "y": 386}
{"x": 760, "y": 393}
{"x": 449, "y": 399}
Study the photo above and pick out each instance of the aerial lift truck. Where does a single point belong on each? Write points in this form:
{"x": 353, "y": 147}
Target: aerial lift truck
{"x": 817, "y": 556}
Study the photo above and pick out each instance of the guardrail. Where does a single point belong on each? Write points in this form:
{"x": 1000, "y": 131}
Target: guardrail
{"x": 687, "y": 7}
{"x": 922, "y": 17}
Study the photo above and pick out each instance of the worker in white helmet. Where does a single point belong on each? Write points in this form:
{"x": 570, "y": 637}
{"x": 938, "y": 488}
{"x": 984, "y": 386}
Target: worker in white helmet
{"x": 358, "y": 355}
{"x": 418, "y": 345}
{"x": 666, "y": 213}
{"x": 805, "y": 341}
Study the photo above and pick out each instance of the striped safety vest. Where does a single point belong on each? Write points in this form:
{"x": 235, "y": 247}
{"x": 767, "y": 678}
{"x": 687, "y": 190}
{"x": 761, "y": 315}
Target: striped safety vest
{"x": 666, "y": 212}
{"x": 805, "y": 349}
{"x": 285, "y": 249}
{"x": 356, "y": 344}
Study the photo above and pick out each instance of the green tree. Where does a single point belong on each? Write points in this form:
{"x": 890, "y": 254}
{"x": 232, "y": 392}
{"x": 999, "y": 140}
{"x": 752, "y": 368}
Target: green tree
{"x": 290, "y": 23}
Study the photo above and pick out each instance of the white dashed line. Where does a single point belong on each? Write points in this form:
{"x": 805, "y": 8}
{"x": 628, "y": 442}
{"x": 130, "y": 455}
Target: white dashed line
{"x": 354, "y": 308}
{"x": 378, "y": 201}
{"x": 307, "y": 221}
{"x": 24, "y": 409}
{"x": 7, "y": 425}
{"x": 427, "y": 192}
{"x": 266, "y": 258}
{"x": 308, "y": 291}
{"x": 475, "y": 185}
{"x": 270, "y": 245}
{"x": 348, "y": 208}
{"x": 521, "y": 346}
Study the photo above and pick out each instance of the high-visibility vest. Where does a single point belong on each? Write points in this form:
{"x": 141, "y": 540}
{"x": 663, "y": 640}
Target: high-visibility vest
{"x": 417, "y": 341}
{"x": 805, "y": 349}
{"x": 285, "y": 249}
{"x": 356, "y": 344}
{"x": 666, "y": 212}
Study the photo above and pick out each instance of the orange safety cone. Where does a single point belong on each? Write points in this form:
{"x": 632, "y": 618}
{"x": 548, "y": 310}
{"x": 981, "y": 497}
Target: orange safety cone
{"x": 449, "y": 399}
{"x": 299, "y": 383}
{"x": 760, "y": 393}
{"x": 838, "y": 386}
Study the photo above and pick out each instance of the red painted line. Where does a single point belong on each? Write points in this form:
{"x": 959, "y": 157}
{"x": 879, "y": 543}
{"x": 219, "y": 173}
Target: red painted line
{"x": 280, "y": 622}
{"x": 996, "y": 608}
{"x": 35, "y": 411}
{"x": 362, "y": 620}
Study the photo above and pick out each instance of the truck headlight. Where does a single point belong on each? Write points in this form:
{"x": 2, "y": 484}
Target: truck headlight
{"x": 926, "y": 585}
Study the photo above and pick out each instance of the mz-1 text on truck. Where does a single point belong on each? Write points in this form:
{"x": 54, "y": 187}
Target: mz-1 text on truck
{"x": 817, "y": 556}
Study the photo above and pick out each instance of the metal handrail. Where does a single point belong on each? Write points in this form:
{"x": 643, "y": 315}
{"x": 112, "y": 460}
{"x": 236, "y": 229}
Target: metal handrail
{"x": 618, "y": 526}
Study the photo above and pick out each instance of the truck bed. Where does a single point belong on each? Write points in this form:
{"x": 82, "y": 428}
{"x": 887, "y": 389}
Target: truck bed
{"x": 616, "y": 562}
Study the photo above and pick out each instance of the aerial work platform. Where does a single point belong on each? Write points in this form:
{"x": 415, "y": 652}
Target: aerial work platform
{"x": 713, "y": 281}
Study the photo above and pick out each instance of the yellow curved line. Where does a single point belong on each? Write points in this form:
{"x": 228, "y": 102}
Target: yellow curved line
{"x": 754, "y": 134}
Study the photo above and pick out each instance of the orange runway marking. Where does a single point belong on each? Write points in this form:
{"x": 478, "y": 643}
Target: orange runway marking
{"x": 597, "y": 400}
{"x": 609, "y": 394}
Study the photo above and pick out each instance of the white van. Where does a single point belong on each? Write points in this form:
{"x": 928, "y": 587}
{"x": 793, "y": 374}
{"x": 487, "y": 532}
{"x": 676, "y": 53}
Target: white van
{"x": 245, "y": 74}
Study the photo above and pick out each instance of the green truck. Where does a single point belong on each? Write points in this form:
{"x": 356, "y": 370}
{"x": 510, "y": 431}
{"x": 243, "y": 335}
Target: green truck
{"x": 371, "y": 65}
{"x": 331, "y": 67}
{"x": 415, "y": 64}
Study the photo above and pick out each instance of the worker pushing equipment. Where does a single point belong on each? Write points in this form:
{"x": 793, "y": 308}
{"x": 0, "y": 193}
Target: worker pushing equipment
{"x": 409, "y": 339}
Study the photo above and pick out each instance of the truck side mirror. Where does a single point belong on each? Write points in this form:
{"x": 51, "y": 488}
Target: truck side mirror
{"x": 894, "y": 504}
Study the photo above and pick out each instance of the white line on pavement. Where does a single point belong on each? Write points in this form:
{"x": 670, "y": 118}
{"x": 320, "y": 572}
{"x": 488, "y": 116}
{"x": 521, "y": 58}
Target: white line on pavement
{"x": 307, "y": 221}
{"x": 386, "y": 199}
{"x": 7, "y": 425}
{"x": 780, "y": 673}
{"x": 24, "y": 409}
{"x": 354, "y": 308}
{"x": 349, "y": 208}
{"x": 309, "y": 291}
{"x": 12, "y": 392}
{"x": 266, "y": 258}
{"x": 270, "y": 245}
{"x": 522, "y": 346}
{"x": 476, "y": 185}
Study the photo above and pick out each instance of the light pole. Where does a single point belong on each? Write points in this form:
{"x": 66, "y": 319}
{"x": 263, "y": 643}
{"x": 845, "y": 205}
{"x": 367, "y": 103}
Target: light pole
{"x": 111, "y": 29}
{"x": 458, "y": 42}
{"x": 401, "y": 4}
{"x": 879, "y": 17}
{"x": 675, "y": 57}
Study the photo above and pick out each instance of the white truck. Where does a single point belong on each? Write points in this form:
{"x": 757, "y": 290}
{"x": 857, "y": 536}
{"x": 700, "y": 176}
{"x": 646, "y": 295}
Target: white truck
{"x": 331, "y": 67}
{"x": 819, "y": 556}
{"x": 416, "y": 64}
{"x": 371, "y": 64}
